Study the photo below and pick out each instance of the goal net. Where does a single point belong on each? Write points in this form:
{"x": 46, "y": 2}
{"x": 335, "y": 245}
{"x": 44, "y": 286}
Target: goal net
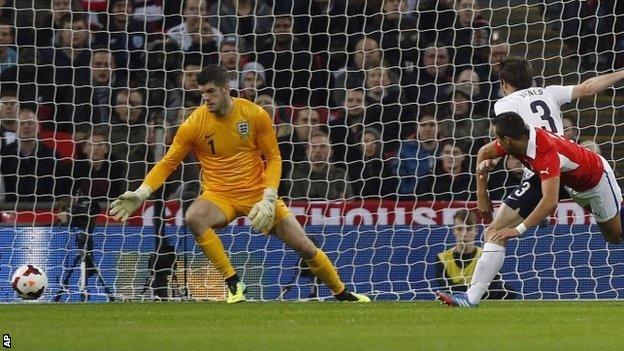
{"x": 379, "y": 107}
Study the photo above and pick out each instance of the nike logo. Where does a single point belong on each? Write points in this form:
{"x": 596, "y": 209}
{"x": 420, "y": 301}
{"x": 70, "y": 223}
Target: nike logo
{"x": 545, "y": 172}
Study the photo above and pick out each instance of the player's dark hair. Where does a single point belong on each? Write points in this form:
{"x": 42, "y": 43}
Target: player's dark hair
{"x": 511, "y": 125}
{"x": 212, "y": 74}
{"x": 517, "y": 71}
{"x": 466, "y": 216}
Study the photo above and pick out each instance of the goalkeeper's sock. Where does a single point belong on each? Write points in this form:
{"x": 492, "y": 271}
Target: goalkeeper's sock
{"x": 326, "y": 272}
{"x": 213, "y": 249}
{"x": 488, "y": 265}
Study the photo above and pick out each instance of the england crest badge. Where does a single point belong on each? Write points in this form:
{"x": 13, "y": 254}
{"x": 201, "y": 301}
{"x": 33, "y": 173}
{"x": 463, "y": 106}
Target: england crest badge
{"x": 243, "y": 129}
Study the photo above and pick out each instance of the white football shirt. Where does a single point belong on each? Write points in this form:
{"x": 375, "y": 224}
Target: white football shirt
{"x": 539, "y": 107}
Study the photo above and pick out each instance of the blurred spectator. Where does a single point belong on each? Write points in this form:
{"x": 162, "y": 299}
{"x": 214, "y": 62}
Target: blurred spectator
{"x": 97, "y": 173}
{"x": 382, "y": 100}
{"x": 592, "y": 146}
{"x": 381, "y": 86}
{"x": 451, "y": 179}
{"x": 462, "y": 123}
{"x": 289, "y": 65}
{"x": 471, "y": 79}
{"x": 471, "y": 34}
{"x": 7, "y": 11}
{"x": 64, "y": 68}
{"x": 435, "y": 76}
{"x": 365, "y": 55}
{"x": 317, "y": 179}
{"x": 243, "y": 18}
{"x": 436, "y": 21}
{"x": 129, "y": 132}
{"x": 396, "y": 31}
{"x": 149, "y": 12}
{"x": 281, "y": 114}
{"x": 94, "y": 98}
{"x": 231, "y": 59}
{"x": 416, "y": 155}
{"x": 455, "y": 266}
{"x": 192, "y": 65}
{"x": 123, "y": 35}
{"x": 8, "y": 117}
{"x": 49, "y": 22}
{"x": 329, "y": 29}
{"x": 570, "y": 131}
{"x": 590, "y": 29}
{"x": 31, "y": 171}
{"x": 374, "y": 178}
{"x": 195, "y": 34}
{"x": 252, "y": 80}
{"x": 317, "y": 19}
{"x": 346, "y": 131}
{"x": 163, "y": 81}
{"x": 334, "y": 27}
{"x": 8, "y": 54}
{"x": 499, "y": 50}
{"x": 293, "y": 145}
{"x": 282, "y": 119}
{"x": 347, "y": 126}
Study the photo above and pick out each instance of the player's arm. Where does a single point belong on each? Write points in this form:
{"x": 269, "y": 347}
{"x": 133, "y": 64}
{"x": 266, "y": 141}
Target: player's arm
{"x": 548, "y": 203}
{"x": 594, "y": 85}
{"x": 486, "y": 161}
{"x": 180, "y": 147}
{"x": 263, "y": 212}
{"x": 129, "y": 201}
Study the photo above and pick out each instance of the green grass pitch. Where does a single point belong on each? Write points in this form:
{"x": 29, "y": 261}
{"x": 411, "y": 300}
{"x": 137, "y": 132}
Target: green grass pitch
{"x": 528, "y": 326}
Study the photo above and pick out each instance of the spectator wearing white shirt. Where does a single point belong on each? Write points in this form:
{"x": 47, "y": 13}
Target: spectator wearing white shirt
{"x": 195, "y": 32}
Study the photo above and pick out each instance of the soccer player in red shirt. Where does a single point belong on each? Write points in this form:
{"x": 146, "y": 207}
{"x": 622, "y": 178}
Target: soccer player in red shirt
{"x": 557, "y": 161}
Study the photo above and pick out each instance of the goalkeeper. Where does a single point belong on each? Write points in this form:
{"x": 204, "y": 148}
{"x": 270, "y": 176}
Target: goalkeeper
{"x": 230, "y": 137}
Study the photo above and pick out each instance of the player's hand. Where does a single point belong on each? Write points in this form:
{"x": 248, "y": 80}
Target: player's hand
{"x": 506, "y": 233}
{"x": 129, "y": 202}
{"x": 263, "y": 212}
{"x": 485, "y": 167}
{"x": 485, "y": 207}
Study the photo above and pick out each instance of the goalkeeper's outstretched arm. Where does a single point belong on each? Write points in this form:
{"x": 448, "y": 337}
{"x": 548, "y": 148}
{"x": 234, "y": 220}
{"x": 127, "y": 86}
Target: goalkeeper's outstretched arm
{"x": 130, "y": 201}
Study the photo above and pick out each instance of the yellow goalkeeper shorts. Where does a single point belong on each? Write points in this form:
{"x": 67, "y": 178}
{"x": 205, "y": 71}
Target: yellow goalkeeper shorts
{"x": 241, "y": 205}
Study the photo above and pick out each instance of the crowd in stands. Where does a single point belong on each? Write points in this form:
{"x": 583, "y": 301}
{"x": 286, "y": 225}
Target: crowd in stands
{"x": 382, "y": 98}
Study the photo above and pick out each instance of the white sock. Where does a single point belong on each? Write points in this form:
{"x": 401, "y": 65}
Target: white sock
{"x": 488, "y": 265}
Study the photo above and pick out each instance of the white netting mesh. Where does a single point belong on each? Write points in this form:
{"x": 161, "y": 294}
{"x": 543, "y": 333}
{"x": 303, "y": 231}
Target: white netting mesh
{"x": 401, "y": 91}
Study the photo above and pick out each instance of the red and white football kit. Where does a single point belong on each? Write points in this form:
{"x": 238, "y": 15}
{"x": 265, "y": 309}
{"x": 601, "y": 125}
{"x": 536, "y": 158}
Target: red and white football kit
{"x": 586, "y": 175}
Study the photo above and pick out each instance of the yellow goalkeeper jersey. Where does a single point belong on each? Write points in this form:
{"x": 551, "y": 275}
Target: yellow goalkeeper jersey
{"x": 229, "y": 149}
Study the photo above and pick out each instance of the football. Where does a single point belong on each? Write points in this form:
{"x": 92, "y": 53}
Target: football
{"x": 29, "y": 282}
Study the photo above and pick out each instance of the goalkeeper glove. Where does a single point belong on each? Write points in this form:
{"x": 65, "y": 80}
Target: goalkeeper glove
{"x": 263, "y": 212}
{"x": 128, "y": 202}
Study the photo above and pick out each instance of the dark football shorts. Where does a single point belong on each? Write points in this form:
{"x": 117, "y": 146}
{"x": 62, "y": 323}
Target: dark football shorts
{"x": 528, "y": 194}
